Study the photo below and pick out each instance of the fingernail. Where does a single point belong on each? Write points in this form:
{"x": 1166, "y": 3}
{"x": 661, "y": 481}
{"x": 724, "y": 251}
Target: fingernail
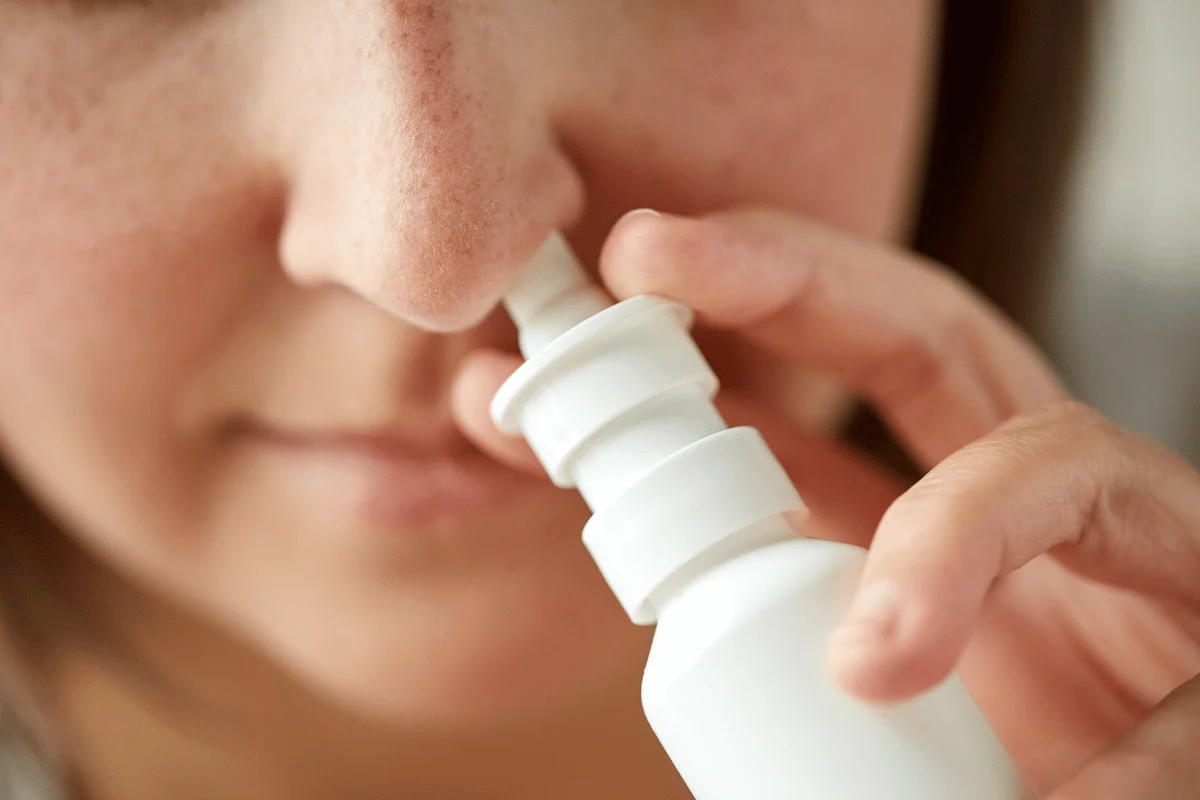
{"x": 640, "y": 212}
{"x": 874, "y": 617}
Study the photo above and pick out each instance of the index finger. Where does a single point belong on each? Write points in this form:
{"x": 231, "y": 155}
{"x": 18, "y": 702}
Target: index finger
{"x": 1113, "y": 507}
{"x": 941, "y": 365}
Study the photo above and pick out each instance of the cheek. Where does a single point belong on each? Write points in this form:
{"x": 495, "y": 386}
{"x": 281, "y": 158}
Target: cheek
{"x": 121, "y": 204}
{"x": 816, "y": 106}
{"x": 125, "y": 255}
{"x": 119, "y": 309}
{"x": 93, "y": 368}
{"x": 104, "y": 336}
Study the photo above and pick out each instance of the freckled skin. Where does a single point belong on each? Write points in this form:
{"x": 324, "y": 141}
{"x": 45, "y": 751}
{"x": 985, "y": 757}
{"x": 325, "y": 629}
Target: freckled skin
{"x": 309, "y": 209}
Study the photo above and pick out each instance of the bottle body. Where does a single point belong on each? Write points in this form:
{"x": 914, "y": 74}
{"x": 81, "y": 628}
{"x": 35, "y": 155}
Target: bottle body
{"x": 737, "y": 690}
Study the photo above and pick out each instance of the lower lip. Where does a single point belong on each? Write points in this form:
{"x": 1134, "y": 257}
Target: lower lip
{"x": 403, "y": 492}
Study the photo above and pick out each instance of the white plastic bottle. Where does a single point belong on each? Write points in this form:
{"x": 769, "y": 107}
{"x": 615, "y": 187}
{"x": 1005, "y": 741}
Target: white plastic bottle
{"x": 689, "y": 531}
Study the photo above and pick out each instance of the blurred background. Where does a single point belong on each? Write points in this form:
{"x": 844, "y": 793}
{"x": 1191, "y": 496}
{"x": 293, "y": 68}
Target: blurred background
{"x": 1124, "y": 316}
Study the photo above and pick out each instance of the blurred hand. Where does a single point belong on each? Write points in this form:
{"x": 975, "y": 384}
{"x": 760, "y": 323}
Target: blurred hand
{"x": 1049, "y": 555}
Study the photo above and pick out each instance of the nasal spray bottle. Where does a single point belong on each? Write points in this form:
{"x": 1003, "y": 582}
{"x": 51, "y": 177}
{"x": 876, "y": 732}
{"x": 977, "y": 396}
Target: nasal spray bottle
{"x": 691, "y": 530}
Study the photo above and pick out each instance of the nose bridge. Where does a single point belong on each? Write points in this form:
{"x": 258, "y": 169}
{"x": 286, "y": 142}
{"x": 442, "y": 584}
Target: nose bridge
{"x": 430, "y": 174}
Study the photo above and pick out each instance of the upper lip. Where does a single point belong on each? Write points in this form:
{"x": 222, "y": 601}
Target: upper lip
{"x": 382, "y": 440}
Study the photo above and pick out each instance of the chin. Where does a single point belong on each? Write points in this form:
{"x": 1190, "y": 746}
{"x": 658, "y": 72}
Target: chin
{"x": 469, "y": 651}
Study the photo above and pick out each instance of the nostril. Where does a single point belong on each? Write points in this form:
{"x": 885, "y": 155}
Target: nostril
{"x": 442, "y": 273}
{"x": 307, "y": 243}
{"x": 307, "y": 273}
{"x": 454, "y": 285}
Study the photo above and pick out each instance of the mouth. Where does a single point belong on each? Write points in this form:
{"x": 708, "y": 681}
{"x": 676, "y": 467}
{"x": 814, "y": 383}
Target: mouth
{"x": 390, "y": 480}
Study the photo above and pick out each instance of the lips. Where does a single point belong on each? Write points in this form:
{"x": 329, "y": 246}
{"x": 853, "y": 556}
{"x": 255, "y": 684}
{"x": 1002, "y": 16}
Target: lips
{"x": 392, "y": 480}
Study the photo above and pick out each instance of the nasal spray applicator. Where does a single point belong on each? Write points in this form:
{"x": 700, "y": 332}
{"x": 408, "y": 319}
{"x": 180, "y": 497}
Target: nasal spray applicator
{"x": 692, "y": 529}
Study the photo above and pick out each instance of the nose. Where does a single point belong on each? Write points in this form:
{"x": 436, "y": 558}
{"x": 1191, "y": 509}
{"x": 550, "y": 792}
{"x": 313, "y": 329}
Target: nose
{"x": 419, "y": 150}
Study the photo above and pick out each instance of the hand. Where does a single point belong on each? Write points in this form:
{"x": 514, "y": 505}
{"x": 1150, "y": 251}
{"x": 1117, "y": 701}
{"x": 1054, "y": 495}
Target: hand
{"x": 1050, "y": 556}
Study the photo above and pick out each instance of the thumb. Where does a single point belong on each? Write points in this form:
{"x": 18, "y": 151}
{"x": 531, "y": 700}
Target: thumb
{"x": 1159, "y": 760}
{"x": 480, "y": 375}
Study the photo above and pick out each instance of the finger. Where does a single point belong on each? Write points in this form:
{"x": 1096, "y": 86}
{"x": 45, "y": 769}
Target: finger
{"x": 941, "y": 365}
{"x": 1159, "y": 760}
{"x": 1112, "y": 506}
{"x": 479, "y": 376}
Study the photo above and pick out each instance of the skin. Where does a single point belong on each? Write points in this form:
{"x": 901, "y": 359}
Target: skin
{"x": 301, "y": 215}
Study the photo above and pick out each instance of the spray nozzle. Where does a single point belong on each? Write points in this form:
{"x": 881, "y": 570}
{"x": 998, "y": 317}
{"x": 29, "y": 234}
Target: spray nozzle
{"x": 551, "y": 295}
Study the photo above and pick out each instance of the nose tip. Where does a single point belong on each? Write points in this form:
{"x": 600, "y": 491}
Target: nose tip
{"x": 437, "y": 251}
{"x": 437, "y": 248}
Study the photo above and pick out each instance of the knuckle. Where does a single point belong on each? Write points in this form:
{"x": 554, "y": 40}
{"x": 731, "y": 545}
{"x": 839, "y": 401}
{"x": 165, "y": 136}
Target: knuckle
{"x": 1070, "y": 432}
{"x": 1072, "y": 437}
{"x": 1069, "y": 417}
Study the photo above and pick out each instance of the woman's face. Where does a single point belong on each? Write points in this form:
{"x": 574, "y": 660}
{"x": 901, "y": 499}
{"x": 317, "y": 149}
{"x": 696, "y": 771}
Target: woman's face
{"x": 245, "y": 244}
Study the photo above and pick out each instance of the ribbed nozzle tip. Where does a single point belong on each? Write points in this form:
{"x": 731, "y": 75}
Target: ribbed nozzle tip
{"x": 551, "y": 295}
